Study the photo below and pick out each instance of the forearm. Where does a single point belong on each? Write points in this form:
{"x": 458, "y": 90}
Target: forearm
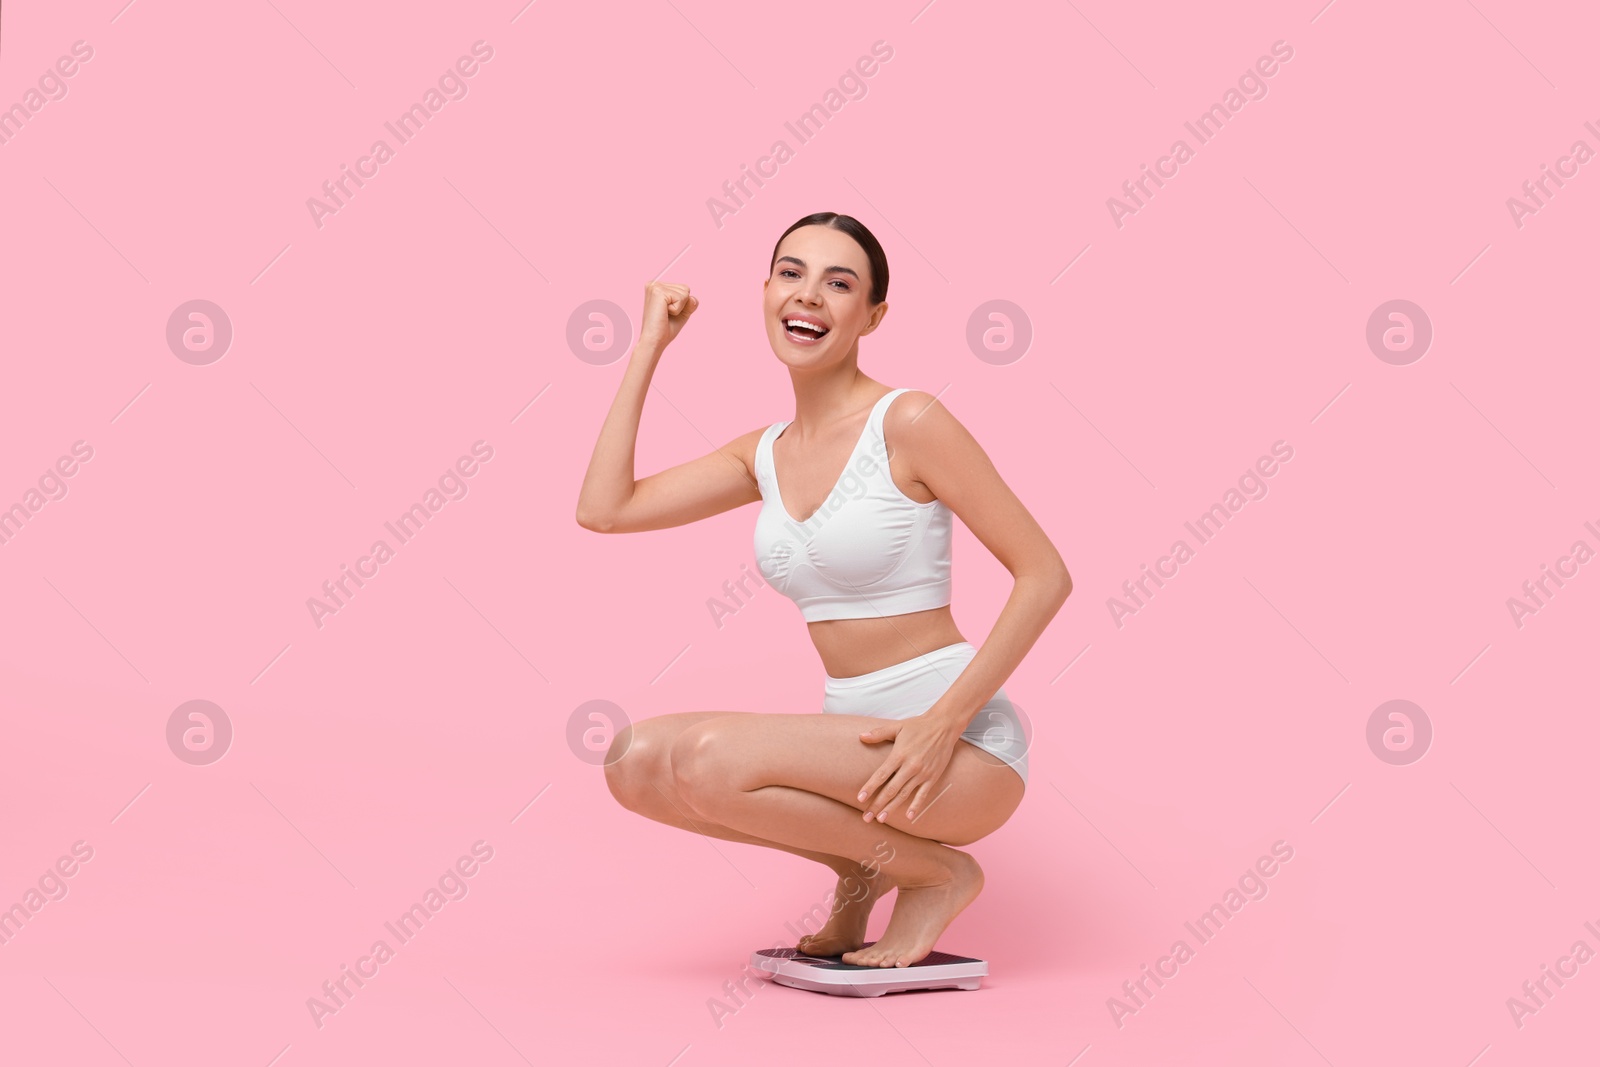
{"x": 609, "y": 482}
{"x": 1034, "y": 601}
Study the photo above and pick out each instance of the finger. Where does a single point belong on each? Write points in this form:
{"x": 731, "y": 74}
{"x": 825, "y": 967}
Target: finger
{"x": 892, "y": 787}
{"x": 878, "y": 777}
{"x": 914, "y": 809}
{"x": 902, "y": 790}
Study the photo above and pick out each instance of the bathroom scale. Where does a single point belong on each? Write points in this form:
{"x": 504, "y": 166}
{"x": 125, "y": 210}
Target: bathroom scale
{"x": 830, "y": 974}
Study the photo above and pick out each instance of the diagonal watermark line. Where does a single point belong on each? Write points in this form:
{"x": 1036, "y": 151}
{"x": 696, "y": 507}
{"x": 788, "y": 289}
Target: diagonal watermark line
{"x": 1325, "y": 7}
{"x": 275, "y": 659}
{"x": 96, "y": 629}
{"x": 129, "y": 404}
{"x": 1468, "y": 267}
{"x": 275, "y": 259}
{"x": 1514, "y": 48}
{"x": 670, "y": 662}
{"x": 279, "y": 1056}
{"x": 1107, "y": 40}
{"x": 674, "y": 260}
{"x": 1107, "y": 840}
{"x": 1329, "y": 804}
{"x": 1475, "y": 659}
{"x": 125, "y": 7}
{"x": 1079, "y": 1056}
{"x": 530, "y": 403}
{"x": 303, "y": 837}
{"x": 1503, "y": 837}
{"x": 314, "y": 48}
{"x": 1103, "y": 437}
{"x": 495, "y": 228}
{"x": 85, "y": 1018}
{"x": 485, "y": 1018}
{"x": 1329, "y": 404}
{"x": 1504, "y": 438}
{"x": 303, "y": 437}
{"x": 1068, "y": 667}
{"x": 525, "y": 7}
{"x": 129, "y": 804}
{"x": 1479, "y": 1056}
{"x": 1295, "y": 628}
{"x": 714, "y": 48}
{"x": 901, "y": 1032}
{"x": 1296, "y": 229}
{"x": 925, "y": 7}
{"x": 896, "y": 229}
{"x": 1069, "y": 265}
{"x": 95, "y": 228}
{"x": 530, "y": 803}
{"x": 496, "y": 629}
{"x": 685, "y": 816}
{"x": 1285, "y": 1018}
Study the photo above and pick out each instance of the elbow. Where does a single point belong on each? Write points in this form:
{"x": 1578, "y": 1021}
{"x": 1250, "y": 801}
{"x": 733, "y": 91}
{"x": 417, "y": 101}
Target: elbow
{"x": 592, "y": 522}
{"x": 1061, "y": 582}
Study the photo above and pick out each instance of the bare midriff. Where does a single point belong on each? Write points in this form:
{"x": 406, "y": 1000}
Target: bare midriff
{"x": 849, "y": 647}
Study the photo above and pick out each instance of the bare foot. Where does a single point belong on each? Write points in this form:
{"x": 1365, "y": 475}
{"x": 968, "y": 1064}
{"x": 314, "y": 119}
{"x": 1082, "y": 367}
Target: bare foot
{"x": 846, "y": 928}
{"x": 921, "y": 913}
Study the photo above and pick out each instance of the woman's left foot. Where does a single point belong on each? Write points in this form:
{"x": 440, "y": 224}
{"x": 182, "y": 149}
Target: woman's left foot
{"x": 921, "y": 913}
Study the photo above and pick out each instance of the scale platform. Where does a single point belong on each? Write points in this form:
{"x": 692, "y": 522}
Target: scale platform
{"x": 830, "y": 974}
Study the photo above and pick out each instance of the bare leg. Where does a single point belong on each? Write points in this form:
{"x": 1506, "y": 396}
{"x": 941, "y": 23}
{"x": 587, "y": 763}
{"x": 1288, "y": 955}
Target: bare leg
{"x": 639, "y": 775}
{"x": 794, "y": 779}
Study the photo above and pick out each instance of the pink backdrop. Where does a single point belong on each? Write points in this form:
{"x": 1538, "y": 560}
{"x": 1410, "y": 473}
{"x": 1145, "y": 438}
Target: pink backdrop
{"x": 1146, "y": 358}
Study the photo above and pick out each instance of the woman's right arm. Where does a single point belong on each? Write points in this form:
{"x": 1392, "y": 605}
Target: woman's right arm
{"x": 611, "y": 501}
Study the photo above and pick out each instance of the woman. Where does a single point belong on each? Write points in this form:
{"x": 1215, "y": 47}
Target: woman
{"x": 859, "y": 536}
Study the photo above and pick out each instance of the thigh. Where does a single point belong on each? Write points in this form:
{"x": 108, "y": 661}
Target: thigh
{"x": 823, "y": 753}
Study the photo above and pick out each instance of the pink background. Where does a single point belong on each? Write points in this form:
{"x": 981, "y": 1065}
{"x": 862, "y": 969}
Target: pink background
{"x": 432, "y": 310}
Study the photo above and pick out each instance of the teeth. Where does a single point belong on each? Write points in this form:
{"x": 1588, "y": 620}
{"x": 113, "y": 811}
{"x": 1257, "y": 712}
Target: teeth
{"x": 808, "y": 325}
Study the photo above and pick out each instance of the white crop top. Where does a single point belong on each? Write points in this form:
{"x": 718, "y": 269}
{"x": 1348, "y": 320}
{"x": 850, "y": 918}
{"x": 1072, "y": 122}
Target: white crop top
{"x": 868, "y": 551}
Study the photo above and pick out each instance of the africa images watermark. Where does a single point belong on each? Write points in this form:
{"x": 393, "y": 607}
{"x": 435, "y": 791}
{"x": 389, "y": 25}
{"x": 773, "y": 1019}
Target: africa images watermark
{"x": 818, "y": 914}
{"x": 853, "y": 484}
{"x": 409, "y": 123}
{"x": 851, "y": 86}
{"x": 52, "y": 885}
{"x": 1537, "y": 992}
{"x": 1579, "y": 554}
{"x": 1252, "y": 884}
{"x": 452, "y": 486}
{"x": 1206, "y": 125}
{"x": 52, "y": 87}
{"x": 452, "y": 885}
{"x": 1251, "y": 482}
{"x": 1579, "y": 154}
{"x": 51, "y": 486}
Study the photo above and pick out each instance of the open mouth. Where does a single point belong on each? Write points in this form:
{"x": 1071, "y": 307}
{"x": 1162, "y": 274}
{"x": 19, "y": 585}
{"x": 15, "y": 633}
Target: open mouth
{"x": 804, "y": 332}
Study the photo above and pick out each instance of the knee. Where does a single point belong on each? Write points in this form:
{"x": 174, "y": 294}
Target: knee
{"x": 630, "y": 764}
{"x": 696, "y": 760}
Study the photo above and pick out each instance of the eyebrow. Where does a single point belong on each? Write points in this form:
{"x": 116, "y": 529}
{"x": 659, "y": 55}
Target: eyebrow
{"x": 830, "y": 270}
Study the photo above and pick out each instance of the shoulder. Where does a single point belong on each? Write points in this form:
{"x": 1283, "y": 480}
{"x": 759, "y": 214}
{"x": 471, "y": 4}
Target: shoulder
{"x": 743, "y": 448}
{"x": 918, "y": 416}
{"x": 925, "y": 433}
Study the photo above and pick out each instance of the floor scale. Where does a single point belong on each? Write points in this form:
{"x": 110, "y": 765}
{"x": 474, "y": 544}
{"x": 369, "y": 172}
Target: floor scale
{"x": 830, "y": 974}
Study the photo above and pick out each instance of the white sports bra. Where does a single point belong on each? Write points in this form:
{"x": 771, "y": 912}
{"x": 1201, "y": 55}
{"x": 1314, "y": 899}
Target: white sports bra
{"x": 868, "y": 551}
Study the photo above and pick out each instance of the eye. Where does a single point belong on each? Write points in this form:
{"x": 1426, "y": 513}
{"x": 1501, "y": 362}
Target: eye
{"x": 787, "y": 271}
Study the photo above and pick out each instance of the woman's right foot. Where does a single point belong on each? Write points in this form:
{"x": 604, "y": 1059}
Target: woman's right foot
{"x": 846, "y": 930}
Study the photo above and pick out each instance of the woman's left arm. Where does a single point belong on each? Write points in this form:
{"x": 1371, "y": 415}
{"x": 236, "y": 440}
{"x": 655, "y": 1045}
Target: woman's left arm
{"x": 938, "y": 451}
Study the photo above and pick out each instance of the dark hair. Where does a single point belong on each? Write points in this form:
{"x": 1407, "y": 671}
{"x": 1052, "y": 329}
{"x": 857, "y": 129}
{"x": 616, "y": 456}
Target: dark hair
{"x": 863, "y": 237}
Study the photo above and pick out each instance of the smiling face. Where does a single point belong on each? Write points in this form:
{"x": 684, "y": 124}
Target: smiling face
{"x": 821, "y": 277}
